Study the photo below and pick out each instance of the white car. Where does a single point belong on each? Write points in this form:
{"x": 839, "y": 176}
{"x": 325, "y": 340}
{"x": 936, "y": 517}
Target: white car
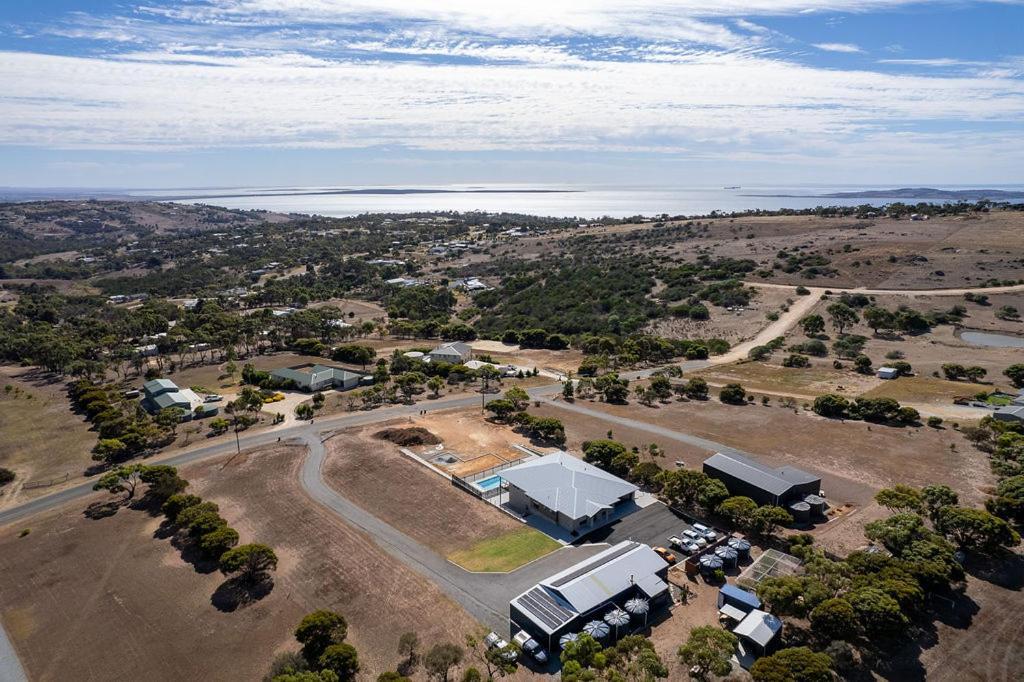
{"x": 706, "y": 532}
{"x": 674, "y": 541}
{"x": 494, "y": 641}
{"x": 530, "y": 646}
{"x": 689, "y": 547}
{"x": 695, "y": 538}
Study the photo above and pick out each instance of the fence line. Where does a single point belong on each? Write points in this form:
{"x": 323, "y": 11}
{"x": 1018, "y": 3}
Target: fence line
{"x": 45, "y": 484}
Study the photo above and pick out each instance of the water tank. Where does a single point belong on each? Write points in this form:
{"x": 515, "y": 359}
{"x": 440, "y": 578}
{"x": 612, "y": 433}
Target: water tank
{"x": 817, "y": 504}
{"x": 710, "y": 563}
{"x": 801, "y": 512}
{"x": 728, "y": 555}
{"x": 414, "y": 355}
{"x": 742, "y": 547}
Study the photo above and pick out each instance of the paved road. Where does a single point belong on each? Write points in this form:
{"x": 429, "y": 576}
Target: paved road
{"x": 10, "y": 666}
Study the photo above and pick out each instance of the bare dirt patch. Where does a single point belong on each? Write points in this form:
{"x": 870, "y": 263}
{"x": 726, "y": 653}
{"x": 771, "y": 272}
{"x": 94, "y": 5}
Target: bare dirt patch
{"x": 131, "y": 608}
{"x": 408, "y": 496}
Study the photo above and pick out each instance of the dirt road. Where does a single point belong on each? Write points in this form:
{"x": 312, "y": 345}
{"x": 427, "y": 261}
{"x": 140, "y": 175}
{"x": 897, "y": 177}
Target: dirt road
{"x": 801, "y": 306}
{"x": 902, "y": 292}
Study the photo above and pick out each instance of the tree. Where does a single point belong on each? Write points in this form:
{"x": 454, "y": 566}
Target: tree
{"x": 440, "y": 659}
{"x": 393, "y": 676}
{"x": 614, "y": 389}
{"x": 109, "y": 450}
{"x": 408, "y": 649}
{"x": 797, "y": 664}
{"x": 205, "y": 522}
{"x": 687, "y": 488}
{"x": 304, "y": 411}
{"x": 568, "y": 390}
{"x": 661, "y": 387}
{"x": 319, "y": 630}
{"x": 252, "y": 562}
{"x": 501, "y": 408}
{"x": 708, "y": 650}
{"x": 898, "y": 532}
{"x": 953, "y": 371}
{"x": 733, "y": 394}
{"x": 975, "y": 530}
{"x": 603, "y": 452}
{"x": 767, "y": 519}
{"x": 842, "y": 316}
{"x": 831, "y": 405}
{"x": 975, "y": 373}
{"x": 169, "y": 418}
{"x": 124, "y": 479}
{"x": 812, "y": 325}
{"x": 1015, "y": 373}
{"x": 435, "y": 384}
{"x": 938, "y": 497}
{"x": 518, "y": 397}
{"x": 738, "y": 510}
{"x": 900, "y": 498}
{"x": 175, "y": 504}
{"x": 163, "y": 481}
{"x": 834, "y": 619}
{"x": 354, "y": 354}
{"x": 218, "y": 541}
{"x": 879, "y": 318}
{"x": 862, "y": 364}
{"x": 696, "y": 389}
{"x": 342, "y": 660}
{"x": 307, "y": 676}
{"x": 635, "y": 658}
{"x": 879, "y": 614}
{"x": 584, "y": 650}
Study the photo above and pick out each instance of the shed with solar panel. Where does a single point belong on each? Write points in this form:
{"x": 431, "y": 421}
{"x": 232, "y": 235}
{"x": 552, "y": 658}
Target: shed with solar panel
{"x": 567, "y": 601}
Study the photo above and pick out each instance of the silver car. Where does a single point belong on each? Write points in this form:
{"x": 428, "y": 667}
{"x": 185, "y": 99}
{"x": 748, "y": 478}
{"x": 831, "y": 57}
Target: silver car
{"x": 706, "y": 532}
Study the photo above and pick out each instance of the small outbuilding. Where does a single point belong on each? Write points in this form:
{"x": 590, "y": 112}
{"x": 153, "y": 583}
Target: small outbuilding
{"x": 758, "y": 633}
{"x": 887, "y": 373}
{"x": 735, "y": 602}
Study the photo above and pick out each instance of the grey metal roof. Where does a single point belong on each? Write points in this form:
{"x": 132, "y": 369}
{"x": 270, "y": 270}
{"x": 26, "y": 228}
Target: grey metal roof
{"x": 1014, "y": 411}
{"x": 307, "y": 376}
{"x": 775, "y": 481}
{"x": 171, "y": 399}
{"x": 453, "y": 347}
{"x": 568, "y": 485}
{"x": 593, "y": 582}
{"x": 759, "y": 627}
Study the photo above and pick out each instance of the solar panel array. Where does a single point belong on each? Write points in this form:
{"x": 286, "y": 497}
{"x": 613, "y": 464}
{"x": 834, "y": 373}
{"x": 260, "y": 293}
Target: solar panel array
{"x": 589, "y": 566}
{"x": 541, "y": 605}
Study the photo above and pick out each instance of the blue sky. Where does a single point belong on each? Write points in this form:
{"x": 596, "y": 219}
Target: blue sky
{"x": 187, "y": 93}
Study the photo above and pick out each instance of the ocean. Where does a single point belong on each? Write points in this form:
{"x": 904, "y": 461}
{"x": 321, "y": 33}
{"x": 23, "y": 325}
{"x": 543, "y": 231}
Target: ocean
{"x": 580, "y": 202}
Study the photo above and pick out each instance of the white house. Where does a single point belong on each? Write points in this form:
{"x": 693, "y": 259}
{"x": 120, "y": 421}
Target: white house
{"x": 455, "y": 352}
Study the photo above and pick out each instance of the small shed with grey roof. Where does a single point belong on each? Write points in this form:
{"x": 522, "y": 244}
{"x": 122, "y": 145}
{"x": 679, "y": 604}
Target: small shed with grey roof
{"x": 763, "y": 484}
{"x": 758, "y": 633}
{"x": 567, "y": 491}
{"x": 564, "y": 602}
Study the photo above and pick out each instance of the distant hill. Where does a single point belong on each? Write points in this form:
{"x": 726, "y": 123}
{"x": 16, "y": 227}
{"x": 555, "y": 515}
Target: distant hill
{"x": 918, "y": 194}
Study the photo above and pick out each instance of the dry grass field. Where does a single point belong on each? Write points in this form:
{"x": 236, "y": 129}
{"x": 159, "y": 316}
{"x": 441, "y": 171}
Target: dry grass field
{"x": 41, "y": 439}
{"x": 853, "y": 458}
{"x": 375, "y": 475}
{"x": 104, "y": 599}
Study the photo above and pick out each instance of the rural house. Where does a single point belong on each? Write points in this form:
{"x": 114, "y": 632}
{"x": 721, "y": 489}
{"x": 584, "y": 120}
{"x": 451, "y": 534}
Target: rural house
{"x": 455, "y": 353}
{"x": 311, "y": 378}
{"x": 567, "y": 491}
{"x": 160, "y": 394}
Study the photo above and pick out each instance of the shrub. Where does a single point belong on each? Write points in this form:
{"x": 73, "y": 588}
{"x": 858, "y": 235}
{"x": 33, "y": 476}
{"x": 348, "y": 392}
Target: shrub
{"x": 218, "y": 541}
{"x": 6, "y": 476}
{"x": 797, "y": 360}
{"x": 935, "y": 422}
{"x": 733, "y": 394}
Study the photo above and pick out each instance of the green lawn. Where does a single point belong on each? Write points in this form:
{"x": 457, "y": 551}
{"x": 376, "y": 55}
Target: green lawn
{"x": 506, "y": 552}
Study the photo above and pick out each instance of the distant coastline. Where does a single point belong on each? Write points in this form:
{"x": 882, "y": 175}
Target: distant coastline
{"x": 369, "y": 190}
{"x": 918, "y": 193}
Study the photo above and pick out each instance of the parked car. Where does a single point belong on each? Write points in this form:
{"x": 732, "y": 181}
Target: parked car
{"x": 695, "y": 538}
{"x": 709, "y": 534}
{"x": 665, "y": 554}
{"x": 494, "y": 641}
{"x": 530, "y": 646}
{"x": 213, "y": 399}
{"x": 689, "y": 547}
{"x": 674, "y": 541}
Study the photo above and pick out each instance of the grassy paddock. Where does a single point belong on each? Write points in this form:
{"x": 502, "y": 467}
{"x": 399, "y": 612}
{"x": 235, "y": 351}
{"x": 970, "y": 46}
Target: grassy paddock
{"x": 505, "y": 552}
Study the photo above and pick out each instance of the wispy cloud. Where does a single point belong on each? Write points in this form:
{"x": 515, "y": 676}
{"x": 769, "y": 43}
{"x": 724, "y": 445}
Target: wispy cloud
{"x": 848, "y": 48}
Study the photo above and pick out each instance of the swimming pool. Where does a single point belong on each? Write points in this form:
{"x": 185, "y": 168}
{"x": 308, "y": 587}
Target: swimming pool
{"x": 489, "y": 483}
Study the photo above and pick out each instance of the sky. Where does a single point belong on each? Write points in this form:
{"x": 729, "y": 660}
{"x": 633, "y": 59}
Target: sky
{"x": 232, "y": 93}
